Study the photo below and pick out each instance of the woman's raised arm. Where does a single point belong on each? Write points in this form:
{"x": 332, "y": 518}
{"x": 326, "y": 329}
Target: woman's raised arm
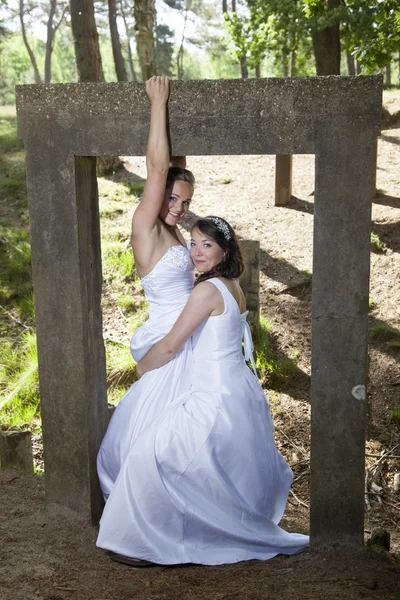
{"x": 157, "y": 159}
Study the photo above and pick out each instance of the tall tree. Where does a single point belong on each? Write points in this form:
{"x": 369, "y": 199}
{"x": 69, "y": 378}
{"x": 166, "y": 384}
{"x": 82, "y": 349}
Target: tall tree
{"x": 144, "y": 25}
{"x": 326, "y": 40}
{"x": 128, "y": 40}
{"x": 38, "y": 78}
{"x": 51, "y": 33}
{"x": 116, "y": 42}
{"x": 86, "y": 41}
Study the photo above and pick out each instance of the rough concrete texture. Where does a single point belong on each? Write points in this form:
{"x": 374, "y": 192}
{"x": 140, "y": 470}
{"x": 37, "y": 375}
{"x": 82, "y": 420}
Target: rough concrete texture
{"x": 338, "y": 119}
{"x": 250, "y": 280}
{"x": 16, "y": 451}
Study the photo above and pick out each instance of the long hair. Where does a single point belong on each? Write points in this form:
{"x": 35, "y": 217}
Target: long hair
{"x": 232, "y": 265}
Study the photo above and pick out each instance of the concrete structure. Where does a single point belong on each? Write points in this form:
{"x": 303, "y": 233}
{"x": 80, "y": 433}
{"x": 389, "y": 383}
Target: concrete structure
{"x": 16, "y": 450}
{"x": 283, "y": 179}
{"x": 64, "y": 126}
{"x": 250, "y": 280}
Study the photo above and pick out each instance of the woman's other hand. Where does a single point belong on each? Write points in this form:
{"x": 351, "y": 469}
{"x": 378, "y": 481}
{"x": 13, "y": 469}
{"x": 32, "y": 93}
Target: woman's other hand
{"x": 157, "y": 89}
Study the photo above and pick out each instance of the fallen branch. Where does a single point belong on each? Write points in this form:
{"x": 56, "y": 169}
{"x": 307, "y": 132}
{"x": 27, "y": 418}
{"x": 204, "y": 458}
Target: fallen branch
{"x": 298, "y": 499}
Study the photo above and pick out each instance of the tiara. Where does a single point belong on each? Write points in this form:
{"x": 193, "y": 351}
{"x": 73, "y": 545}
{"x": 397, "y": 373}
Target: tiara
{"x": 222, "y": 226}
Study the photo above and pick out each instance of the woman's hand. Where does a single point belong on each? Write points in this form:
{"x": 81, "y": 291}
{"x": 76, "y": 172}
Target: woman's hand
{"x": 157, "y": 89}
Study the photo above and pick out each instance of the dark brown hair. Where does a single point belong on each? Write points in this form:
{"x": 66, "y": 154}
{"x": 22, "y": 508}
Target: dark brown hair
{"x": 232, "y": 265}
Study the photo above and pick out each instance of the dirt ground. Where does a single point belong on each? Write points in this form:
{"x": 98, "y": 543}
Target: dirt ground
{"x": 51, "y": 555}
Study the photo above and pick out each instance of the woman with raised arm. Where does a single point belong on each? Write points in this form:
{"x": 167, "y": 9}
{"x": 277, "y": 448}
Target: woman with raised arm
{"x": 163, "y": 262}
{"x": 204, "y": 483}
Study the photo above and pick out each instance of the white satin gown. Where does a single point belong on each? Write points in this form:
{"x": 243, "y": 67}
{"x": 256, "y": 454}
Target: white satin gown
{"x": 188, "y": 467}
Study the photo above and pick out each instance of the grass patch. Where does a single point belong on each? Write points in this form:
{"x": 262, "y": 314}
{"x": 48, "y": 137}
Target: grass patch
{"x": 371, "y": 303}
{"x": 19, "y": 382}
{"x": 395, "y": 415}
{"x": 384, "y": 332}
{"x": 9, "y": 141}
{"x": 273, "y": 369}
{"x": 118, "y": 260}
{"x": 121, "y": 370}
{"x": 376, "y": 244}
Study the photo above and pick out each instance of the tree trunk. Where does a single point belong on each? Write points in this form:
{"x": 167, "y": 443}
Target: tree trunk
{"x": 224, "y": 6}
{"x": 293, "y": 63}
{"x": 326, "y": 44}
{"x": 49, "y": 41}
{"x": 285, "y": 65}
{"x": 86, "y": 41}
{"x": 243, "y": 67}
{"x": 144, "y": 24}
{"x": 116, "y": 42}
{"x": 233, "y": 5}
{"x": 258, "y": 70}
{"x": 351, "y": 67}
{"x": 38, "y": 79}
{"x": 388, "y": 75}
{"x": 128, "y": 39}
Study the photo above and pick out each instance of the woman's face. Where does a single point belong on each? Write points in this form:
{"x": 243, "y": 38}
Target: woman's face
{"x": 176, "y": 202}
{"x": 205, "y": 251}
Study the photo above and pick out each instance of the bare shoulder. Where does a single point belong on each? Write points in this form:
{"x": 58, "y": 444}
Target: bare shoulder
{"x": 205, "y": 291}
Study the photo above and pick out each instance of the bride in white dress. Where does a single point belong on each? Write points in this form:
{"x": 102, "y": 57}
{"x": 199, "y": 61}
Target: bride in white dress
{"x": 200, "y": 478}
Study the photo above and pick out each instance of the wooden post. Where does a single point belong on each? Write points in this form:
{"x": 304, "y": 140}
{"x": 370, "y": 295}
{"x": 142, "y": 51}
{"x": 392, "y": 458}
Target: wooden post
{"x": 250, "y": 280}
{"x": 16, "y": 450}
{"x": 283, "y": 179}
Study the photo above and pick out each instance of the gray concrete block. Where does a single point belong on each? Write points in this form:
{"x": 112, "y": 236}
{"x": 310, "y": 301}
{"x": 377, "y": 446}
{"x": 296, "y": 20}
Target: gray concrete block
{"x": 16, "y": 450}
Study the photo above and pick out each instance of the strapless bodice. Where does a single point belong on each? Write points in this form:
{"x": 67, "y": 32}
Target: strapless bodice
{"x": 167, "y": 288}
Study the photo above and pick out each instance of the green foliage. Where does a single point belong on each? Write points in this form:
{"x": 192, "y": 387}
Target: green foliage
{"x": 273, "y": 369}
{"x": 372, "y": 31}
{"x": 164, "y": 49}
{"x": 395, "y": 415}
{"x": 385, "y": 333}
{"x": 19, "y": 380}
{"x": 121, "y": 373}
{"x": 376, "y": 244}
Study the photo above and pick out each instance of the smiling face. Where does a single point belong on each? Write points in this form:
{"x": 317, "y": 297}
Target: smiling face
{"x": 176, "y": 202}
{"x": 205, "y": 251}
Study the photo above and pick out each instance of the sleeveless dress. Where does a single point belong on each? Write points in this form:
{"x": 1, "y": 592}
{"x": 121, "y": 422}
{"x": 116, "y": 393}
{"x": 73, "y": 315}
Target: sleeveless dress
{"x": 167, "y": 288}
{"x": 200, "y": 479}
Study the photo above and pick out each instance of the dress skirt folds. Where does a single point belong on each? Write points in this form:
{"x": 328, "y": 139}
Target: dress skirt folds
{"x": 188, "y": 466}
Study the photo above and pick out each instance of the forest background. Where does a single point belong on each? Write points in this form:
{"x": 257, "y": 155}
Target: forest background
{"x": 194, "y": 39}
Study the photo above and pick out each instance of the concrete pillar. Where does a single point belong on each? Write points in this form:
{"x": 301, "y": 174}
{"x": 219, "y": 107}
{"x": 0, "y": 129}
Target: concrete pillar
{"x": 16, "y": 450}
{"x": 283, "y": 179}
{"x": 66, "y": 265}
{"x": 250, "y": 280}
{"x": 343, "y": 196}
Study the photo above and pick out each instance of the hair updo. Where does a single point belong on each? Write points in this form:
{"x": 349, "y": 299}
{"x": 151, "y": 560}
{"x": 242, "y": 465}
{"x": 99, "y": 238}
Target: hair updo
{"x": 232, "y": 265}
{"x": 179, "y": 174}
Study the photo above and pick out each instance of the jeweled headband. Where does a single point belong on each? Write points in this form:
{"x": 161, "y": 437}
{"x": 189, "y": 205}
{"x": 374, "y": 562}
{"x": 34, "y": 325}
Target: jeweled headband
{"x": 222, "y": 226}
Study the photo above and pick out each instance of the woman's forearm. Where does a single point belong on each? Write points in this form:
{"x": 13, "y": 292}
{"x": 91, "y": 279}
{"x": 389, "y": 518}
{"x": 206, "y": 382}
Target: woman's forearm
{"x": 157, "y": 153}
{"x": 158, "y": 356}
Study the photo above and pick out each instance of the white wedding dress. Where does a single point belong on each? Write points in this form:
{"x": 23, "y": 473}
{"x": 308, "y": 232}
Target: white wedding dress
{"x": 188, "y": 466}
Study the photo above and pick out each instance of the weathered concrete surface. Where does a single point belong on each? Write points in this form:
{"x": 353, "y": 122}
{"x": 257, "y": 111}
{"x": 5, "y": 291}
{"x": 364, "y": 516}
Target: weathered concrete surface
{"x": 267, "y": 116}
{"x": 338, "y": 119}
{"x": 283, "y": 179}
{"x": 250, "y": 280}
{"x": 16, "y": 450}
